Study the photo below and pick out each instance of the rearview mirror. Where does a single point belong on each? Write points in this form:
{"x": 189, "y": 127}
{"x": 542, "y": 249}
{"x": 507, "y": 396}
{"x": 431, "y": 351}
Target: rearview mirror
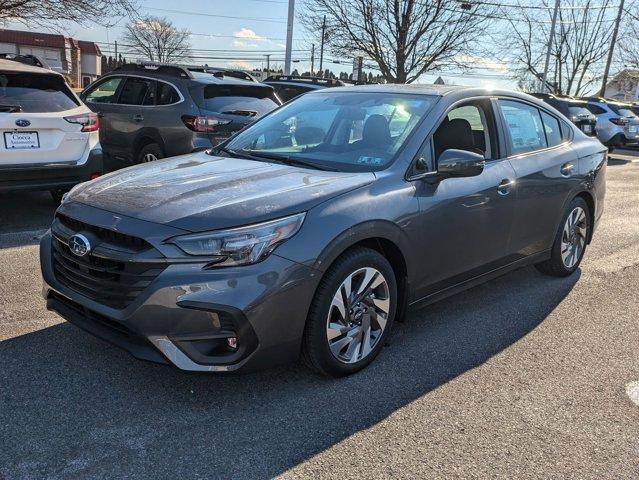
{"x": 459, "y": 163}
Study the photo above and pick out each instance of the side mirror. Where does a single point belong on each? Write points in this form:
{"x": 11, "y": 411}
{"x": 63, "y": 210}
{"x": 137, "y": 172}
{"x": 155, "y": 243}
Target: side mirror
{"x": 459, "y": 163}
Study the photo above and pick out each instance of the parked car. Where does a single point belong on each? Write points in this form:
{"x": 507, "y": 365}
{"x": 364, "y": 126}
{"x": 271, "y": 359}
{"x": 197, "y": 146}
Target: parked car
{"x": 225, "y": 72}
{"x": 155, "y": 111}
{"x": 49, "y": 137}
{"x": 573, "y": 109}
{"x": 289, "y": 87}
{"x": 285, "y": 240}
{"x": 617, "y": 125}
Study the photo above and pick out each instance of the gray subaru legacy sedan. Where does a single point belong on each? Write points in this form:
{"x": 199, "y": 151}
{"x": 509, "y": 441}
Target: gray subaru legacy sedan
{"x": 310, "y": 232}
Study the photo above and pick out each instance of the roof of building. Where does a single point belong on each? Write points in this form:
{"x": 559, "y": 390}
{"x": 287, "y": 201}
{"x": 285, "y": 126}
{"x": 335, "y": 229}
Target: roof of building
{"x": 33, "y": 38}
{"x": 89, "y": 47}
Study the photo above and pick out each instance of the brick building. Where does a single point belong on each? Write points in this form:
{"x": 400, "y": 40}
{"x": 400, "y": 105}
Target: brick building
{"x": 78, "y": 60}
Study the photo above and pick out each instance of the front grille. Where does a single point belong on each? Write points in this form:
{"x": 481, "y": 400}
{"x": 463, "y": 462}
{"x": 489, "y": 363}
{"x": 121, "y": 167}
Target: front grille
{"x": 110, "y": 236}
{"x": 104, "y": 275}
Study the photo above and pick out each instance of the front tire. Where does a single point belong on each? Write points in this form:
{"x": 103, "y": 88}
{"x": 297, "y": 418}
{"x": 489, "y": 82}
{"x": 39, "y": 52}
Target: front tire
{"x": 570, "y": 241}
{"x": 351, "y": 314}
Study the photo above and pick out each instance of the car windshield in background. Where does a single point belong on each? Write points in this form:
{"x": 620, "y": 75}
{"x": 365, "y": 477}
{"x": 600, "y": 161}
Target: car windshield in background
{"x": 35, "y": 93}
{"x": 337, "y": 130}
{"x": 239, "y": 99}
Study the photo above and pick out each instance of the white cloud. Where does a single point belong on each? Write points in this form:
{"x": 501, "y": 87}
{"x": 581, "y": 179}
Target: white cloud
{"x": 247, "y": 38}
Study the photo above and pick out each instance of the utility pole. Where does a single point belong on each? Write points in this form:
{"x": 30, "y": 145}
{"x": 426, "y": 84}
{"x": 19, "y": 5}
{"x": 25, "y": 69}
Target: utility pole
{"x": 321, "y": 66}
{"x": 289, "y": 37}
{"x": 312, "y": 58}
{"x": 544, "y": 78}
{"x": 115, "y": 43}
{"x": 268, "y": 65}
{"x": 611, "y": 50}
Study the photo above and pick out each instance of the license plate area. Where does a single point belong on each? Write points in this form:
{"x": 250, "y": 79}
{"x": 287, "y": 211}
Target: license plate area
{"x": 21, "y": 140}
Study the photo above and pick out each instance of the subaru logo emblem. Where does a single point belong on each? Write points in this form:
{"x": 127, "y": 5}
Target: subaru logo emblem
{"x": 22, "y": 122}
{"x": 79, "y": 245}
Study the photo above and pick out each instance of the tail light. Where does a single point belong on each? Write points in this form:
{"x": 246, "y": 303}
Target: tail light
{"x": 204, "y": 124}
{"x": 90, "y": 121}
{"x": 618, "y": 121}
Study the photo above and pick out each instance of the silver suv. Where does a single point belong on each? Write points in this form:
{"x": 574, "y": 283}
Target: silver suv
{"x": 617, "y": 125}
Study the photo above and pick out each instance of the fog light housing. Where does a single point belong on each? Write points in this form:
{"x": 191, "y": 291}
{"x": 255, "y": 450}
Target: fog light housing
{"x": 232, "y": 342}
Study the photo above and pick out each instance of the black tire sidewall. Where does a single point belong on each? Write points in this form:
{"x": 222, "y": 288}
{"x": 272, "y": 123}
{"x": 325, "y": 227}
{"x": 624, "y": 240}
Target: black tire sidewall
{"x": 316, "y": 342}
{"x": 153, "y": 148}
{"x": 557, "y": 261}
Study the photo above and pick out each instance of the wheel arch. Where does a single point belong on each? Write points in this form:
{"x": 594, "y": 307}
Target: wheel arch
{"x": 590, "y": 201}
{"x": 388, "y": 240}
{"x": 147, "y": 137}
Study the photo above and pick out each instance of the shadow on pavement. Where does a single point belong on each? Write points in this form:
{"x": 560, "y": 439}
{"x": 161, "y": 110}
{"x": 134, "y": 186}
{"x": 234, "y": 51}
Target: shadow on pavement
{"x": 73, "y": 406}
{"x": 618, "y": 161}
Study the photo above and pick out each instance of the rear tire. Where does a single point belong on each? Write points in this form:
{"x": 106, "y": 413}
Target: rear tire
{"x": 345, "y": 332}
{"x": 570, "y": 242}
{"x": 150, "y": 153}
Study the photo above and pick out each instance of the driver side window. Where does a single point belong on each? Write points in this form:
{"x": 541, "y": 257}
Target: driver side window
{"x": 464, "y": 128}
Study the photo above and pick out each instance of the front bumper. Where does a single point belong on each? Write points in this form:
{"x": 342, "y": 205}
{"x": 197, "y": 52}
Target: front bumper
{"x": 185, "y": 315}
{"x": 54, "y": 176}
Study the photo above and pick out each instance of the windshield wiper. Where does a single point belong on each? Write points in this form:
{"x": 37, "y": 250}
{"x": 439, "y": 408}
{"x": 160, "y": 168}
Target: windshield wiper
{"x": 233, "y": 153}
{"x": 287, "y": 160}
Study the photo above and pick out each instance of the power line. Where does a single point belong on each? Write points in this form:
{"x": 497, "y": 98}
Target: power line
{"x": 201, "y": 14}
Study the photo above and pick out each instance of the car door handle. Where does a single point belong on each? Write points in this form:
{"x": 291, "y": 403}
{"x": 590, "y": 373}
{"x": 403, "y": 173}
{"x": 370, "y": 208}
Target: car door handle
{"x": 567, "y": 169}
{"x": 505, "y": 186}
{"x": 138, "y": 117}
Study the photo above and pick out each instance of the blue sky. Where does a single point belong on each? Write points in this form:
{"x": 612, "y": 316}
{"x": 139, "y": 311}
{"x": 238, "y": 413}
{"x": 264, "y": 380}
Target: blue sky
{"x": 260, "y": 30}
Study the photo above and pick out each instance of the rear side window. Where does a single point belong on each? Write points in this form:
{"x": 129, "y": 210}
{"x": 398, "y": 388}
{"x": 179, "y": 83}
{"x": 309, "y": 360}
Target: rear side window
{"x": 239, "y": 99}
{"x": 104, "y": 92}
{"x": 552, "y": 129}
{"x": 136, "y": 91}
{"x": 595, "y": 109}
{"x": 167, "y": 95}
{"x": 525, "y": 132}
{"x": 35, "y": 93}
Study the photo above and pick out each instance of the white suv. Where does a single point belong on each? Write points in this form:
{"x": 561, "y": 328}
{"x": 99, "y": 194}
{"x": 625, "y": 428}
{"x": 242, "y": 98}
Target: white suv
{"x": 48, "y": 137}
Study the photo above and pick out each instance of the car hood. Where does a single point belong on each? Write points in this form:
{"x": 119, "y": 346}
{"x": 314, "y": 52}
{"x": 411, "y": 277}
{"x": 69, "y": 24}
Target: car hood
{"x": 199, "y": 192}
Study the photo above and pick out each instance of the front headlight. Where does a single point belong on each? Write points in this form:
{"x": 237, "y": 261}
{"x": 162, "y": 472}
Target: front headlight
{"x": 243, "y": 245}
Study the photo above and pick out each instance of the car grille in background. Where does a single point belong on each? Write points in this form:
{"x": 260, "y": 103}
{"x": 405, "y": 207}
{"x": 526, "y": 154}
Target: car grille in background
{"x": 114, "y": 273}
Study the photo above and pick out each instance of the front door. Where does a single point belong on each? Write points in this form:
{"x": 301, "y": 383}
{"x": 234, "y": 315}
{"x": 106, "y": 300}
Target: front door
{"x": 465, "y": 223}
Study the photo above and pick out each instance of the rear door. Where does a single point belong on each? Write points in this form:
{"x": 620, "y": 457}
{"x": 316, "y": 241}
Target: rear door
{"x": 33, "y": 129}
{"x": 130, "y": 115}
{"x": 539, "y": 151}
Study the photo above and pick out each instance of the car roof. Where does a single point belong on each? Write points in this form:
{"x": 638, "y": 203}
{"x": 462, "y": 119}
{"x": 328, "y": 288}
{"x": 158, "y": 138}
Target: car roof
{"x": 456, "y": 91}
{"x": 14, "y": 66}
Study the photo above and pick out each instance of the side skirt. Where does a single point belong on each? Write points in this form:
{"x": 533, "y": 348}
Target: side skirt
{"x": 478, "y": 280}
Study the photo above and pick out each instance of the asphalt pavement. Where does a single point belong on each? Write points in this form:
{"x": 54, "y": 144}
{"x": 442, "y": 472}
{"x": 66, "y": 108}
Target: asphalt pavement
{"x": 523, "y": 377}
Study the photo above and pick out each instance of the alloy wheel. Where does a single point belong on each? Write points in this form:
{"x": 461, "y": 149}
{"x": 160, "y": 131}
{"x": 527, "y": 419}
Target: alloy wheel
{"x": 149, "y": 157}
{"x": 358, "y": 315}
{"x": 573, "y": 237}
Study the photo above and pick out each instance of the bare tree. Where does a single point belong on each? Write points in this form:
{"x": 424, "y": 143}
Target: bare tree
{"x": 52, "y": 12}
{"x": 404, "y": 38}
{"x": 578, "y": 49}
{"x": 156, "y": 39}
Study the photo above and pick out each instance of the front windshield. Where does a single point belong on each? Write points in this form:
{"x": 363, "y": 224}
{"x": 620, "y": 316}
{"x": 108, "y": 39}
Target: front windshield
{"x": 350, "y": 131}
